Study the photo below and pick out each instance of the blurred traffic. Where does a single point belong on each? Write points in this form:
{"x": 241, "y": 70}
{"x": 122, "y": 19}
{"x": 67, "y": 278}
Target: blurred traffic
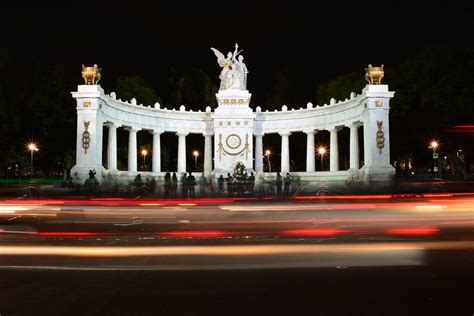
{"x": 302, "y": 231}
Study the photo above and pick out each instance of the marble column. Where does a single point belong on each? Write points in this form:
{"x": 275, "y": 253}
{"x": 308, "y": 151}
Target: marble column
{"x": 285, "y": 152}
{"x": 207, "y": 154}
{"x": 259, "y": 152}
{"x": 354, "y": 147}
{"x": 156, "y": 159}
{"x": 333, "y": 150}
{"x": 310, "y": 150}
{"x": 182, "y": 151}
{"x": 132, "y": 149}
{"x": 112, "y": 148}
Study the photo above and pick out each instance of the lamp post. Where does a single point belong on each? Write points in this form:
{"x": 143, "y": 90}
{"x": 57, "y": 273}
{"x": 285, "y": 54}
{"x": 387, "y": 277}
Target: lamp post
{"x": 196, "y": 155}
{"x": 322, "y": 152}
{"x": 144, "y": 153}
{"x": 267, "y": 154}
{"x": 32, "y": 148}
{"x": 434, "y": 145}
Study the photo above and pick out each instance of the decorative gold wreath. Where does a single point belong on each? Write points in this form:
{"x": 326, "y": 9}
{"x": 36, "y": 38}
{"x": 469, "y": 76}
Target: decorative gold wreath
{"x": 380, "y": 136}
{"x": 86, "y": 137}
{"x": 227, "y": 141}
{"x": 245, "y": 149}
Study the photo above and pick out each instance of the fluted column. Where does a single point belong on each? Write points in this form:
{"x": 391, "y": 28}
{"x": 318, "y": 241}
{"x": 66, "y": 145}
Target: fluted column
{"x": 132, "y": 149}
{"x": 285, "y": 152}
{"x": 310, "y": 150}
{"x": 334, "y": 150}
{"x": 259, "y": 152}
{"x": 156, "y": 159}
{"x": 112, "y": 148}
{"x": 207, "y": 154}
{"x": 181, "y": 151}
{"x": 354, "y": 147}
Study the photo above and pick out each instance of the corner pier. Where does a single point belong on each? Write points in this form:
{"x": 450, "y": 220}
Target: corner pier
{"x": 234, "y": 132}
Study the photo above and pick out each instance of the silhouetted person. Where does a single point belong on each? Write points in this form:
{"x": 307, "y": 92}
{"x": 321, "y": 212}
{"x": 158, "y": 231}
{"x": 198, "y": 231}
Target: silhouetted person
{"x": 287, "y": 184}
{"x": 151, "y": 185}
{"x": 184, "y": 185}
{"x": 279, "y": 183}
{"x": 230, "y": 187}
{"x": 202, "y": 185}
{"x": 220, "y": 184}
{"x": 167, "y": 184}
{"x": 138, "y": 180}
{"x": 251, "y": 183}
{"x": 174, "y": 184}
{"x": 92, "y": 181}
{"x": 191, "y": 183}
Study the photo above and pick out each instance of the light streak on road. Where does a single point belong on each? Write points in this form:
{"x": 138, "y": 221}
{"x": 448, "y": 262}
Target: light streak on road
{"x": 209, "y": 250}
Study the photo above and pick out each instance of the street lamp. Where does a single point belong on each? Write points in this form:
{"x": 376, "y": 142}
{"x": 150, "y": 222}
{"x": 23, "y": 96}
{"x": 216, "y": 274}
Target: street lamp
{"x": 267, "y": 154}
{"x": 196, "y": 155}
{"x": 144, "y": 153}
{"x": 32, "y": 148}
{"x": 434, "y": 145}
{"x": 322, "y": 152}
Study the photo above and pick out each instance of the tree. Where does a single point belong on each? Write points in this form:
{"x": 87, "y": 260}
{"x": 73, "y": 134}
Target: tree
{"x": 128, "y": 87}
{"x": 433, "y": 90}
{"x": 279, "y": 93}
{"x": 339, "y": 88}
{"x": 193, "y": 88}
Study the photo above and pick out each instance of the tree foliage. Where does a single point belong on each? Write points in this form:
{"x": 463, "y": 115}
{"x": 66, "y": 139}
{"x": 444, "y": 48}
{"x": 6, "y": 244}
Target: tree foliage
{"x": 192, "y": 88}
{"x": 438, "y": 84}
{"x": 339, "y": 88}
{"x": 128, "y": 87}
{"x": 279, "y": 93}
{"x": 433, "y": 90}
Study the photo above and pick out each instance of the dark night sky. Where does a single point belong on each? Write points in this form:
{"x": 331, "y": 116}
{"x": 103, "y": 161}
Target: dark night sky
{"x": 314, "y": 44}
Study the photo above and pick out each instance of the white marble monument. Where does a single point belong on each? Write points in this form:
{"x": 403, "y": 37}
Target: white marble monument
{"x": 235, "y": 127}
{"x": 233, "y": 118}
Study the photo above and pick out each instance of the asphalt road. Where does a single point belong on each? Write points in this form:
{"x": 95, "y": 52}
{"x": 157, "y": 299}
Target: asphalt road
{"x": 346, "y": 255}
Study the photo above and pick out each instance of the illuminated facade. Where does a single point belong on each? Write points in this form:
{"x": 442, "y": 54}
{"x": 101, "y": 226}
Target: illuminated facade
{"x": 234, "y": 132}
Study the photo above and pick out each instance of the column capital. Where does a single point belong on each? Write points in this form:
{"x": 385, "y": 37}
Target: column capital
{"x": 208, "y": 134}
{"x": 132, "y": 129}
{"x": 111, "y": 125}
{"x": 334, "y": 129}
{"x": 310, "y": 131}
{"x": 355, "y": 125}
{"x": 284, "y": 133}
{"x": 157, "y": 131}
{"x": 182, "y": 133}
{"x": 259, "y": 134}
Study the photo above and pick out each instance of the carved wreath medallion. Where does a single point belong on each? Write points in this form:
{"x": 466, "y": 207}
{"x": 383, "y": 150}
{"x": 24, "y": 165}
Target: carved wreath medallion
{"x": 86, "y": 137}
{"x": 233, "y": 141}
{"x": 380, "y": 137}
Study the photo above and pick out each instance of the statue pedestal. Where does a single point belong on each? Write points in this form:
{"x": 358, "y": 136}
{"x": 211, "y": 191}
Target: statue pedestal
{"x": 233, "y": 131}
{"x": 234, "y": 98}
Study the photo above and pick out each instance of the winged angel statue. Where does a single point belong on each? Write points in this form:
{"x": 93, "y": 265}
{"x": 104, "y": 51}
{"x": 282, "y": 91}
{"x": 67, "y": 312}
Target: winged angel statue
{"x": 234, "y": 71}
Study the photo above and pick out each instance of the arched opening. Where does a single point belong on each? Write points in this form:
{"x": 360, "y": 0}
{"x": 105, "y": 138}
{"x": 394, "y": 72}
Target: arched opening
{"x": 297, "y": 143}
{"x": 145, "y": 150}
{"x": 344, "y": 151}
{"x": 169, "y": 152}
{"x": 272, "y": 152}
{"x": 195, "y": 153}
{"x": 122, "y": 148}
{"x": 105, "y": 146}
{"x": 321, "y": 142}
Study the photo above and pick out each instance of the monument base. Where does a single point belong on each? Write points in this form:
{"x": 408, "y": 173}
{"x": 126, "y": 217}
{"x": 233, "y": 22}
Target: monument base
{"x": 81, "y": 172}
{"x": 378, "y": 174}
